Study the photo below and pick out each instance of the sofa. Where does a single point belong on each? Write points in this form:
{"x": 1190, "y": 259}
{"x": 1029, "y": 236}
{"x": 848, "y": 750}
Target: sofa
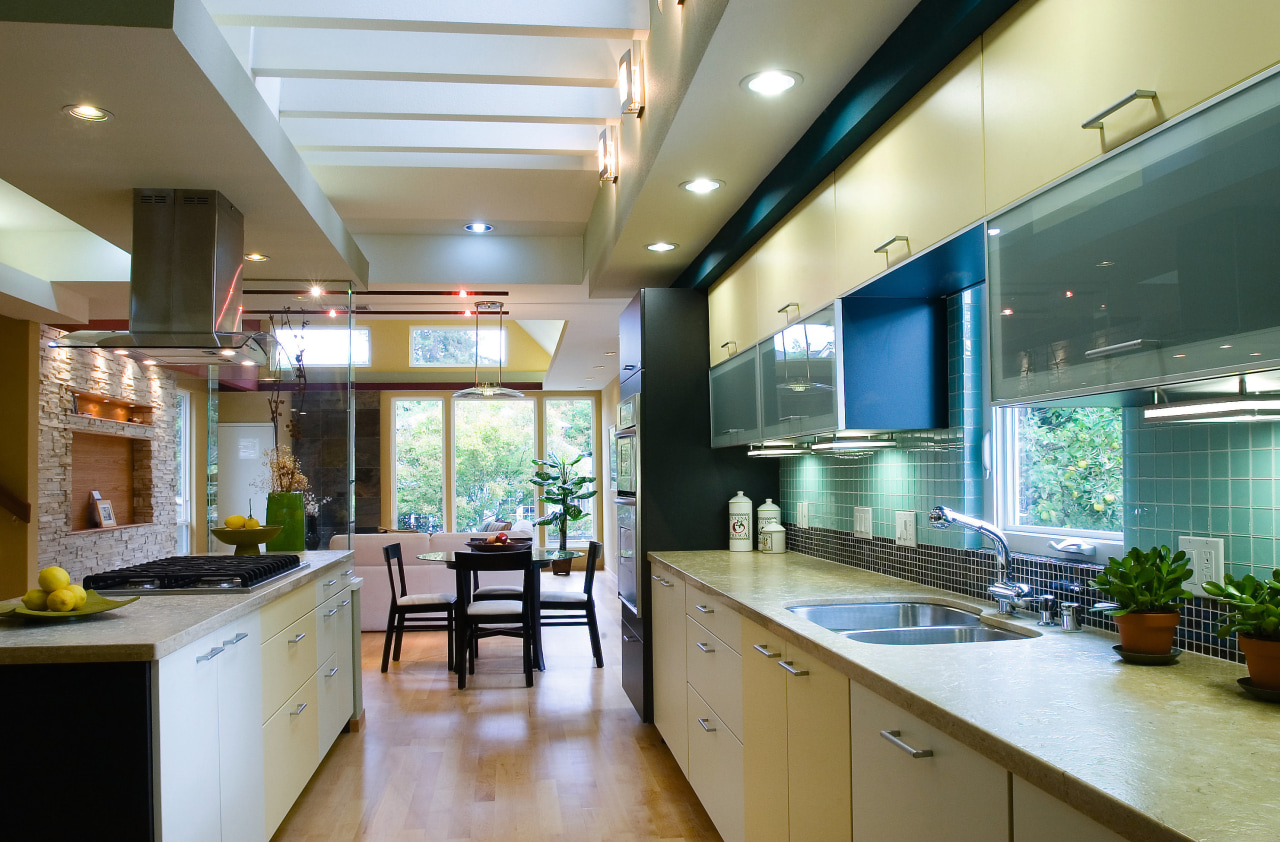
{"x": 420, "y": 576}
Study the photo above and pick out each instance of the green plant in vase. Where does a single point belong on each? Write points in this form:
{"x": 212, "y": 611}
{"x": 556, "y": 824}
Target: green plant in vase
{"x": 284, "y": 484}
{"x": 1146, "y": 586}
{"x": 1255, "y": 620}
{"x": 563, "y": 493}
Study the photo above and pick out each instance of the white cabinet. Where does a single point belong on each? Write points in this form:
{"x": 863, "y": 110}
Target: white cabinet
{"x": 1040, "y": 817}
{"x": 715, "y": 671}
{"x": 670, "y": 685}
{"x": 716, "y": 768}
{"x": 902, "y": 794}
{"x": 334, "y": 622}
{"x": 240, "y": 770}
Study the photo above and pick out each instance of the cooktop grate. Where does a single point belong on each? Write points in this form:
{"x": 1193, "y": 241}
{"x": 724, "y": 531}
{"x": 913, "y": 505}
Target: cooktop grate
{"x": 213, "y": 572}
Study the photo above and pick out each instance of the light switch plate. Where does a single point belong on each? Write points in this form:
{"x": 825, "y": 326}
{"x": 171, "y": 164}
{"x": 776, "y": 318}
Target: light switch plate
{"x": 802, "y": 515}
{"x": 905, "y": 533}
{"x": 862, "y": 521}
{"x": 1206, "y": 556}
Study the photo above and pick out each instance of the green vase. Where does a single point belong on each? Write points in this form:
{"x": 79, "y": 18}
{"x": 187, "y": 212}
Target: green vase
{"x": 284, "y": 508}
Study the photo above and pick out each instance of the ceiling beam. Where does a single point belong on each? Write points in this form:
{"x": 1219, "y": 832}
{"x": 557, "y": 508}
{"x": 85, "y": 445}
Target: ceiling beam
{"x": 416, "y": 135}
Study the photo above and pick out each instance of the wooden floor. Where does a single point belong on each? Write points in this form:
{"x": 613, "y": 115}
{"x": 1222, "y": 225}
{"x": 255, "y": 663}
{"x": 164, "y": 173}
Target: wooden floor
{"x": 567, "y": 760}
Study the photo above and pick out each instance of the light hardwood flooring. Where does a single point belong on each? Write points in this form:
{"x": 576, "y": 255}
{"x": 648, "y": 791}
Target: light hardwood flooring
{"x": 567, "y": 760}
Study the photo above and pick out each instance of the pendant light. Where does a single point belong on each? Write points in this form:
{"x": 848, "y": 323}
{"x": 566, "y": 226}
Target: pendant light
{"x": 488, "y": 389}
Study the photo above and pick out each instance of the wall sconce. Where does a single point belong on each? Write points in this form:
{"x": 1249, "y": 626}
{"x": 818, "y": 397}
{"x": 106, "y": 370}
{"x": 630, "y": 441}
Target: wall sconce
{"x": 631, "y": 81}
{"x": 607, "y": 156}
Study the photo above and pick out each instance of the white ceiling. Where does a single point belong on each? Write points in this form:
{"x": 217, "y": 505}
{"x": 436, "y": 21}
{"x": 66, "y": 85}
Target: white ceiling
{"x": 350, "y": 131}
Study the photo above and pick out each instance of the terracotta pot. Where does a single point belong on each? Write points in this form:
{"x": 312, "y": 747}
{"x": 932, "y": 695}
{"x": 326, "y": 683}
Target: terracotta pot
{"x": 561, "y": 567}
{"x": 1263, "y": 659}
{"x": 1148, "y": 633}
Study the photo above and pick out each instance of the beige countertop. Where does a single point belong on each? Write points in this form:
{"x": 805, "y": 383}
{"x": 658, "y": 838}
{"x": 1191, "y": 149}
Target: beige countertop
{"x": 1155, "y": 753}
{"x": 151, "y": 627}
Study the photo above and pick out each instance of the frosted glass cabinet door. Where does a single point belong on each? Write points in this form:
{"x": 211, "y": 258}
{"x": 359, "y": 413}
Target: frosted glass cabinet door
{"x": 1157, "y": 265}
{"x": 735, "y": 407}
{"x": 798, "y": 378}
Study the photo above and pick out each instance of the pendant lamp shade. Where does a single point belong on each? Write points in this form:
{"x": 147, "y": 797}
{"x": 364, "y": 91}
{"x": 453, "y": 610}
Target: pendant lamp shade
{"x": 487, "y": 389}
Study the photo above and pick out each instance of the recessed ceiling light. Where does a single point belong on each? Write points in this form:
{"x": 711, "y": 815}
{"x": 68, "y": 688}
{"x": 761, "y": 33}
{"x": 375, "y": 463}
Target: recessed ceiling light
{"x": 256, "y": 257}
{"x": 703, "y": 185}
{"x": 89, "y": 113}
{"x": 597, "y": 366}
{"x": 660, "y": 246}
{"x": 611, "y": 353}
{"x": 1224, "y": 347}
{"x": 1178, "y": 356}
{"x": 478, "y": 227}
{"x": 772, "y": 82}
{"x": 1256, "y": 354}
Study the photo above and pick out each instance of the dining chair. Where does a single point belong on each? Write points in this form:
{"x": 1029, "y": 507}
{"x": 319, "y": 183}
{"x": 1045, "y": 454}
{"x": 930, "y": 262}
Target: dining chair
{"x": 404, "y": 605}
{"x": 517, "y": 617}
{"x": 573, "y": 608}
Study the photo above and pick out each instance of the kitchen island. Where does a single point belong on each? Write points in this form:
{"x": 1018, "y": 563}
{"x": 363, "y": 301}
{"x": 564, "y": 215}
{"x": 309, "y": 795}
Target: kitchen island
{"x": 1151, "y": 753}
{"x": 185, "y": 716}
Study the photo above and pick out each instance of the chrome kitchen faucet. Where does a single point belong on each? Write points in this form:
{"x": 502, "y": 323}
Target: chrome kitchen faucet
{"x": 1009, "y": 595}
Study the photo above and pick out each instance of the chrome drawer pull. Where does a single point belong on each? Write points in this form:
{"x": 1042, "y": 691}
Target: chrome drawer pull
{"x": 331, "y": 583}
{"x": 892, "y": 736}
{"x": 665, "y": 583}
{"x": 299, "y": 637}
{"x": 883, "y": 248}
{"x": 626, "y": 638}
{"x": 705, "y": 648}
{"x": 706, "y": 726}
{"x": 332, "y": 611}
{"x": 788, "y": 666}
{"x": 332, "y": 673}
{"x": 764, "y": 650}
{"x": 704, "y": 609}
{"x": 1095, "y": 122}
{"x": 1122, "y": 348}
{"x": 233, "y": 641}
{"x": 344, "y": 603}
{"x": 210, "y": 655}
{"x": 348, "y": 571}
{"x": 300, "y": 709}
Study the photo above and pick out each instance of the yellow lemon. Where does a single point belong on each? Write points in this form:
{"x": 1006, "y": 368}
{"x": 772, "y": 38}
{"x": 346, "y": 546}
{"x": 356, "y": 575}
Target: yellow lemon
{"x": 35, "y": 600}
{"x": 62, "y": 600}
{"x": 81, "y": 596}
{"x": 234, "y": 522}
{"x": 52, "y": 579}
{"x": 252, "y": 523}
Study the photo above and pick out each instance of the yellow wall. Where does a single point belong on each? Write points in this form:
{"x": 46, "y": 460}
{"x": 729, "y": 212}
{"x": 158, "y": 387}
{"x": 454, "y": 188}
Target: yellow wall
{"x": 389, "y": 338}
{"x": 19, "y": 430}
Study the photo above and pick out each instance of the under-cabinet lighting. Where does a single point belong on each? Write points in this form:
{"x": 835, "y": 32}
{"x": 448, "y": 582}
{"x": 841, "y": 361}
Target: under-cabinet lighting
{"x": 1222, "y": 409}
{"x": 851, "y": 444}
{"x": 227, "y": 352}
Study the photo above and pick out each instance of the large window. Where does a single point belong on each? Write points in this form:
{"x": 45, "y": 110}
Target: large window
{"x": 494, "y": 445}
{"x": 323, "y": 346}
{"x": 184, "y": 491}
{"x": 419, "y": 464}
{"x": 455, "y": 346}
{"x": 568, "y": 431}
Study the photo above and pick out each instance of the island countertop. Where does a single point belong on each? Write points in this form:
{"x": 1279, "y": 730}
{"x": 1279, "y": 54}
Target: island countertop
{"x": 153, "y": 626}
{"x": 1155, "y": 753}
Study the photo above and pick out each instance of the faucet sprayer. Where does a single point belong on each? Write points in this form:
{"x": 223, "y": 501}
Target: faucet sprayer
{"x": 1008, "y": 593}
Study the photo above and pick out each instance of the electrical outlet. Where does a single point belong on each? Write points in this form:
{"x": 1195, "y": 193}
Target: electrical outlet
{"x": 905, "y": 534}
{"x": 802, "y": 515}
{"x": 1206, "y": 556}
{"x": 862, "y": 522}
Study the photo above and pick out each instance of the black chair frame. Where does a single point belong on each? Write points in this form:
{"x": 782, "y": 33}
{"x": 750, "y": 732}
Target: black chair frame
{"x": 399, "y": 617}
{"x": 470, "y": 629}
{"x": 579, "y": 614}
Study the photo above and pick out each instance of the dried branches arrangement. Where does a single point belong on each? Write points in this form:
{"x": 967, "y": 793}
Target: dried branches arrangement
{"x": 284, "y": 471}
{"x": 275, "y": 399}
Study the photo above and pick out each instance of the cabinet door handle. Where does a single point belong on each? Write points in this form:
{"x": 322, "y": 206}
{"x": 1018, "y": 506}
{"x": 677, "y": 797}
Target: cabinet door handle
{"x": 331, "y": 583}
{"x": 348, "y": 571}
{"x": 706, "y": 725}
{"x": 626, "y": 638}
{"x": 725, "y": 347}
{"x": 1095, "y": 122}
{"x": 233, "y": 641}
{"x": 210, "y": 655}
{"x": 1121, "y": 348}
{"x": 764, "y": 650}
{"x": 332, "y": 673}
{"x": 663, "y": 582}
{"x": 704, "y": 609}
{"x": 785, "y": 307}
{"x": 883, "y": 248}
{"x": 332, "y": 611}
{"x": 344, "y": 603}
{"x": 299, "y": 637}
{"x": 705, "y": 648}
{"x": 893, "y": 737}
{"x": 789, "y": 666}
{"x": 300, "y": 709}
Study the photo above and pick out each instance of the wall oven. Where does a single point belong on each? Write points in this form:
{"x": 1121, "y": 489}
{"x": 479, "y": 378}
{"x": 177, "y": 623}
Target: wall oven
{"x": 627, "y": 447}
{"x": 628, "y": 563}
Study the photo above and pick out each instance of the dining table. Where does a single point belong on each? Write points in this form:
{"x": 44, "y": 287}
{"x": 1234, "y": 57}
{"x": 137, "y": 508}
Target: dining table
{"x": 542, "y": 558}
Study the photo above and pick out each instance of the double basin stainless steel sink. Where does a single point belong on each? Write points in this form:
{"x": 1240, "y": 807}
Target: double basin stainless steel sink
{"x": 902, "y": 623}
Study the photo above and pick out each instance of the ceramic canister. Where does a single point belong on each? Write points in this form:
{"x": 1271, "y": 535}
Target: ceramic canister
{"x": 740, "y": 532}
{"x": 769, "y": 512}
{"x": 773, "y": 539}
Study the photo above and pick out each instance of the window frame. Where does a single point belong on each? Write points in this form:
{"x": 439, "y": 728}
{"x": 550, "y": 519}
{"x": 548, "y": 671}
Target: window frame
{"x": 505, "y": 350}
{"x": 282, "y": 361}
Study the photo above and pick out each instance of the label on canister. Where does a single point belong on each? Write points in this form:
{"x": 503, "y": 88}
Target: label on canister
{"x": 740, "y": 532}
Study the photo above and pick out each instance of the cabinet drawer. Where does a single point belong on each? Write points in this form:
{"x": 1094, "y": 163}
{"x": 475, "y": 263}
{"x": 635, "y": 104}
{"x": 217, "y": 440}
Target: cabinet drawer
{"x": 283, "y": 611}
{"x": 715, "y": 615}
{"x": 715, "y": 671}
{"x": 331, "y": 618}
{"x": 334, "y": 689}
{"x": 715, "y": 768}
{"x": 290, "y": 741}
{"x": 670, "y": 679}
{"x": 329, "y": 584}
{"x": 288, "y": 660}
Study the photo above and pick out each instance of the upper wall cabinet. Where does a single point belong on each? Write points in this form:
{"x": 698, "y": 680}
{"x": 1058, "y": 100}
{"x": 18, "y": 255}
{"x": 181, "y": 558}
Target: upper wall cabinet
{"x": 796, "y": 263}
{"x": 798, "y": 371}
{"x": 731, "y": 312}
{"x": 735, "y": 400}
{"x": 1157, "y": 265}
{"x": 918, "y": 178}
{"x": 1051, "y": 65}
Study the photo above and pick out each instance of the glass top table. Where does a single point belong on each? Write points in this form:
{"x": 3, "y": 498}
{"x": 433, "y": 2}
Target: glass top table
{"x": 542, "y": 555}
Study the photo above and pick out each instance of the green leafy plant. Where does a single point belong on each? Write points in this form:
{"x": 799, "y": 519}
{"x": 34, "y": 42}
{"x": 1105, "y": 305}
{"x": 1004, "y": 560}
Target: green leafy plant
{"x": 1256, "y": 603}
{"x": 1145, "y": 581}
{"x": 562, "y": 491}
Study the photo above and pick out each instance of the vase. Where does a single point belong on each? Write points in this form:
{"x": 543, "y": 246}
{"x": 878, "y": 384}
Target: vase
{"x": 284, "y": 509}
{"x": 313, "y": 533}
{"x": 1262, "y": 657}
{"x": 1148, "y": 633}
{"x": 562, "y": 566}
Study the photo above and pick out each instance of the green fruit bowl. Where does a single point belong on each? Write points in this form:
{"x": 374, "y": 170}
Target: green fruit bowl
{"x": 94, "y": 604}
{"x": 246, "y": 541}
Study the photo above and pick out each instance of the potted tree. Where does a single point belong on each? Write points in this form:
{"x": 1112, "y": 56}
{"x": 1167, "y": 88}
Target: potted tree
{"x": 1146, "y": 586}
{"x": 562, "y": 491}
{"x": 1255, "y": 620}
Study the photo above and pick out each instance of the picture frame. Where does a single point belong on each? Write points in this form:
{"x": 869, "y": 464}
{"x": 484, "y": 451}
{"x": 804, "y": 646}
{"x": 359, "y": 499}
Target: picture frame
{"x": 106, "y": 515}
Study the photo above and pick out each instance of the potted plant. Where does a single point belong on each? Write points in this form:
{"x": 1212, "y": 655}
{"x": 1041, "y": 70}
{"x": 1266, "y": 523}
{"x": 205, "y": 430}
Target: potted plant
{"x": 562, "y": 491}
{"x": 284, "y": 484}
{"x": 1146, "y": 586}
{"x": 1255, "y": 619}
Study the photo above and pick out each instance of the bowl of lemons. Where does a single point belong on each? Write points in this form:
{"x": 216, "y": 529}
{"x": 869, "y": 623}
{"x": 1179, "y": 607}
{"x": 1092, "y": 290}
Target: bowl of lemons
{"x": 58, "y": 599}
{"x": 245, "y": 534}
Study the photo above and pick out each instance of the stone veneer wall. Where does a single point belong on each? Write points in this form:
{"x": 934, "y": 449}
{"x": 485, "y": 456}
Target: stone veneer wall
{"x": 155, "y": 459}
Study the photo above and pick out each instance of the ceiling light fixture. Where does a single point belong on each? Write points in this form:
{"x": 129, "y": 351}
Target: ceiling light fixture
{"x": 631, "y": 81}
{"x": 611, "y": 353}
{"x": 607, "y": 156}
{"x": 772, "y": 82}
{"x": 317, "y": 291}
{"x": 662, "y": 246}
{"x": 702, "y": 186}
{"x": 256, "y": 257}
{"x": 488, "y": 389}
{"x": 88, "y": 113}
{"x": 478, "y": 227}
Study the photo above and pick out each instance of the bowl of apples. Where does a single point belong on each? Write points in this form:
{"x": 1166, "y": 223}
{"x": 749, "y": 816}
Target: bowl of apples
{"x": 499, "y": 542}
{"x": 245, "y": 534}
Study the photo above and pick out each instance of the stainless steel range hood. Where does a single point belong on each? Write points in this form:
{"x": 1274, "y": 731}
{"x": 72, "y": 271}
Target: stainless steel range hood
{"x": 185, "y": 285}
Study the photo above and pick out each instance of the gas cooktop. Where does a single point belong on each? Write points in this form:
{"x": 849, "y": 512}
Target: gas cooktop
{"x": 193, "y": 574}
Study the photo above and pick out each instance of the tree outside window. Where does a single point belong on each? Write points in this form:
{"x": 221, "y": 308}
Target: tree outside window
{"x": 1070, "y": 468}
{"x": 456, "y": 346}
{"x": 419, "y": 464}
{"x": 494, "y": 448}
{"x": 569, "y": 428}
